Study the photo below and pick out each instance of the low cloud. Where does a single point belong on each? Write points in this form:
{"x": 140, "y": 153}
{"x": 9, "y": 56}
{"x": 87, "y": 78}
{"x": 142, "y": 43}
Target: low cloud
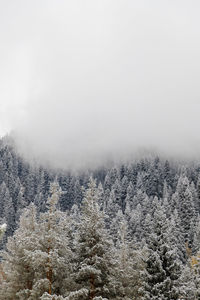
{"x": 84, "y": 81}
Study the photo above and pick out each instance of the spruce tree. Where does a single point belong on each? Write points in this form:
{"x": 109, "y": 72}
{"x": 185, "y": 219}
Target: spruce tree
{"x": 93, "y": 266}
{"x": 9, "y": 214}
{"x": 186, "y": 207}
{"x": 129, "y": 266}
{"x": 53, "y": 260}
{"x": 17, "y": 270}
{"x": 163, "y": 269}
{"x": 37, "y": 259}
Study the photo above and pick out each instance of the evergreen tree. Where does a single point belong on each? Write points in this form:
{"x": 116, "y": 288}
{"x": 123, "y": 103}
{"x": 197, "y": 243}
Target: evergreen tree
{"x": 124, "y": 186}
{"x": 93, "y": 271}
{"x": 177, "y": 237}
{"x": 129, "y": 196}
{"x": 53, "y": 261}
{"x": 112, "y": 206}
{"x": 189, "y": 284}
{"x": 130, "y": 264}
{"x": 38, "y": 258}
{"x": 163, "y": 269}
{"x": 77, "y": 193}
{"x": 198, "y": 194}
{"x": 4, "y": 196}
{"x": 186, "y": 208}
{"x": 134, "y": 223}
{"x": 18, "y": 273}
{"x": 21, "y": 202}
{"x": 116, "y": 188}
{"x": 9, "y": 213}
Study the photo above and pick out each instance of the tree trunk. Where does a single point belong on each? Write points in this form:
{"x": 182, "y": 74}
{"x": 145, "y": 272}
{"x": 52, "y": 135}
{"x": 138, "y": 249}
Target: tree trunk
{"x": 49, "y": 274}
{"x": 92, "y": 287}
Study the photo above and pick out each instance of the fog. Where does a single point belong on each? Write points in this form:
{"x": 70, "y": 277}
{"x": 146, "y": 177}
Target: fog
{"x": 83, "y": 82}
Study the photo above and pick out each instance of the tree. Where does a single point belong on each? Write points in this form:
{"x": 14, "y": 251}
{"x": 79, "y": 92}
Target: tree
{"x": 189, "y": 284}
{"x": 130, "y": 264}
{"x": 177, "y": 238}
{"x": 185, "y": 204}
{"x": 93, "y": 265}
{"x": 77, "y": 193}
{"x": 9, "y": 214}
{"x": 163, "y": 269}
{"x": 112, "y": 206}
{"x": 21, "y": 202}
{"x": 124, "y": 186}
{"x": 4, "y": 196}
{"x": 53, "y": 260}
{"x": 37, "y": 259}
{"x": 129, "y": 196}
{"x": 19, "y": 275}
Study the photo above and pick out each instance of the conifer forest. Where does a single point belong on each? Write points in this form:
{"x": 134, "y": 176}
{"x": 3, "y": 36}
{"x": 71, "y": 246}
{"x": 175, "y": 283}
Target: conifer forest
{"x": 128, "y": 231}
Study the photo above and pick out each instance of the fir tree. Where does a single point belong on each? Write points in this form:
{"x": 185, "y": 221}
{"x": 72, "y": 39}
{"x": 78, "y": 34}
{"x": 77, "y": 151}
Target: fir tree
{"x": 130, "y": 264}
{"x": 54, "y": 257}
{"x": 93, "y": 271}
{"x": 38, "y": 257}
{"x": 18, "y": 273}
{"x": 163, "y": 268}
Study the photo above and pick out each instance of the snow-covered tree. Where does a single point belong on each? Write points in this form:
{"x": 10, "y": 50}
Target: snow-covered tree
{"x": 129, "y": 197}
{"x": 163, "y": 268}
{"x": 112, "y": 207}
{"x": 130, "y": 264}
{"x": 9, "y": 213}
{"x": 189, "y": 284}
{"x": 37, "y": 259}
{"x": 93, "y": 272}
{"x": 18, "y": 273}
{"x": 186, "y": 207}
{"x": 53, "y": 260}
{"x": 21, "y": 203}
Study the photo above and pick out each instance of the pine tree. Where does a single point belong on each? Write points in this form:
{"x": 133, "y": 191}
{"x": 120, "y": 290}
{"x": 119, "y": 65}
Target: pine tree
{"x": 189, "y": 284}
{"x": 77, "y": 193}
{"x": 177, "y": 237}
{"x": 196, "y": 241}
{"x": 21, "y": 202}
{"x": 198, "y": 194}
{"x": 183, "y": 200}
{"x": 130, "y": 264}
{"x": 134, "y": 223}
{"x": 4, "y": 196}
{"x": 38, "y": 257}
{"x": 18, "y": 273}
{"x": 163, "y": 268}
{"x": 124, "y": 186}
{"x": 116, "y": 187}
{"x": 93, "y": 271}
{"x": 53, "y": 261}
{"x": 9, "y": 214}
{"x": 112, "y": 205}
{"x": 114, "y": 227}
{"x": 129, "y": 196}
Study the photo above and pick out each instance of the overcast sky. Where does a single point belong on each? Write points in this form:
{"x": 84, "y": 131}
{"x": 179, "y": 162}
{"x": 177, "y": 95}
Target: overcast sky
{"x": 80, "y": 80}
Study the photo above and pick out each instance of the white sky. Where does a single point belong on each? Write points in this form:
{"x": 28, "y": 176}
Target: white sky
{"x": 83, "y": 79}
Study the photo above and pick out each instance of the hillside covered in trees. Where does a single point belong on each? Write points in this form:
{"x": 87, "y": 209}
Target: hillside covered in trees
{"x": 129, "y": 231}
